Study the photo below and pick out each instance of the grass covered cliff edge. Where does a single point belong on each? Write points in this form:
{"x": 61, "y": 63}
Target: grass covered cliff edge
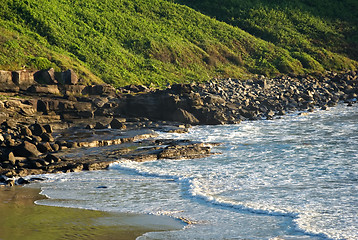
{"x": 160, "y": 42}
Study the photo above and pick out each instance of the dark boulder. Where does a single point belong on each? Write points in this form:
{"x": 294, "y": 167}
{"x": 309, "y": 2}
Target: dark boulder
{"x": 22, "y": 181}
{"x": 26, "y": 149}
{"x": 44, "y": 147}
{"x": 117, "y": 124}
{"x": 8, "y": 156}
{"x": 37, "y": 129}
{"x": 45, "y": 76}
{"x": 55, "y": 147}
{"x": 25, "y": 131}
{"x": 52, "y": 158}
{"x": 100, "y": 125}
{"x": 48, "y": 128}
{"x": 69, "y": 77}
{"x": 47, "y": 137}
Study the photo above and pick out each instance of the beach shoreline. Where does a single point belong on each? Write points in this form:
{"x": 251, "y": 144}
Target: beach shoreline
{"x": 23, "y": 219}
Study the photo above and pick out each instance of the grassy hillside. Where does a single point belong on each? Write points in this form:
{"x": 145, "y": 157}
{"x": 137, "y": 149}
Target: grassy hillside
{"x": 151, "y": 41}
{"x": 296, "y": 25}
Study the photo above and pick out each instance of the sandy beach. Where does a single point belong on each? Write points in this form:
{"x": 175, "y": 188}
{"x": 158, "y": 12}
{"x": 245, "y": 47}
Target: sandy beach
{"x": 22, "y": 219}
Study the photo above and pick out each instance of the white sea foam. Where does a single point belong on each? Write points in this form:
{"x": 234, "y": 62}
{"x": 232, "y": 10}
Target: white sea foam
{"x": 291, "y": 178}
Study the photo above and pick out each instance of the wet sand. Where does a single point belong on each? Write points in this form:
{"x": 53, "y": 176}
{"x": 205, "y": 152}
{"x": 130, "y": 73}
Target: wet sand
{"x": 21, "y": 219}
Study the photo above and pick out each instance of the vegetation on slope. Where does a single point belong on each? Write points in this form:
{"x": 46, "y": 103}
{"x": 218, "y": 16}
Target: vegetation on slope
{"x": 147, "y": 41}
{"x": 300, "y": 26}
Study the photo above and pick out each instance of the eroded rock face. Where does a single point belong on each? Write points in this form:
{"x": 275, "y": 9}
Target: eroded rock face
{"x": 23, "y": 78}
{"x": 6, "y": 82}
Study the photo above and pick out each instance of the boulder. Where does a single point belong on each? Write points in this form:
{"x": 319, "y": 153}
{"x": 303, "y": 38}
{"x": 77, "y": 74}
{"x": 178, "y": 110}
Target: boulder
{"x": 55, "y": 147}
{"x": 47, "y": 137}
{"x": 42, "y": 106}
{"x": 52, "y": 158}
{"x": 44, "y": 147}
{"x": 100, "y": 125}
{"x": 26, "y": 149}
{"x": 22, "y": 181}
{"x": 45, "y": 76}
{"x": 48, "y": 128}
{"x": 38, "y": 129}
{"x": 69, "y": 77}
{"x": 181, "y": 88}
{"x": 103, "y": 90}
{"x": 8, "y": 156}
{"x": 25, "y": 131}
{"x": 117, "y": 124}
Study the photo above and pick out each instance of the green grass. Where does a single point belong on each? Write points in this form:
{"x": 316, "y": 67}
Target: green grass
{"x": 159, "y": 42}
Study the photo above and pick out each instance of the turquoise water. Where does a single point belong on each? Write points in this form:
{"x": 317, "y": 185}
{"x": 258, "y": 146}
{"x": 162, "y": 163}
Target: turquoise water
{"x": 289, "y": 178}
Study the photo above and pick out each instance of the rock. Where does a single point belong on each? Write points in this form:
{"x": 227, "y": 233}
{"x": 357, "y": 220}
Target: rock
{"x": 36, "y": 139}
{"x": 45, "y": 77}
{"x": 44, "y": 147}
{"x": 72, "y": 144}
{"x": 8, "y": 156}
{"x": 212, "y": 99}
{"x": 42, "y": 106}
{"x": 48, "y": 128}
{"x": 117, "y": 124}
{"x": 26, "y": 149}
{"x": 184, "y": 116}
{"x": 195, "y": 150}
{"x": 22, "y": 181}
{"x": 10, "y": 143}
{"x": 3, "y": 179}
{"x": 52, "y": 158}
{"x": 75, "y": 90}
{"x": 46, "y": 89}
{"x": 9, "y": 123}
{"x": 47, "y": 137}
{"x": 25, "y": 131}
{"x": 36, "y": 163}
{"x": 55, "y": 147}
{"x": 100, "y": 125}
{"x": 38, "y": 129}
{"x": 181, "y": 88}
{"x": 103, "y": 90}
{"x": 69, "y": 77}
{"x": 6, "y": 83}
{"x": 10, "y": 182}
{"x": 23, "y": 78}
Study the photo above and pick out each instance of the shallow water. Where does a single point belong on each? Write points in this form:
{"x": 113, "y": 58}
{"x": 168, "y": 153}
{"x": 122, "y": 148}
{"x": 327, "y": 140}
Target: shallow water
{"x": 289, "y": 178}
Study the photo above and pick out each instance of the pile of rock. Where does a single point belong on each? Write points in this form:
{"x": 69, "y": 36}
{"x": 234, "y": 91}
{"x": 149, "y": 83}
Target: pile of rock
{"x": 23, "y": 147}
{"x": 231, "y": 100}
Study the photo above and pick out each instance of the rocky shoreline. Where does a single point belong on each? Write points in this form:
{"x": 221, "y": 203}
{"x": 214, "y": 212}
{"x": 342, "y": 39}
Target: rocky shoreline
{"x": 50, "y": 122}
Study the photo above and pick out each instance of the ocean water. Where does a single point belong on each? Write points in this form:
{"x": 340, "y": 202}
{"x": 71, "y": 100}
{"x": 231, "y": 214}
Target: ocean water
{"x": 289, "y": 178}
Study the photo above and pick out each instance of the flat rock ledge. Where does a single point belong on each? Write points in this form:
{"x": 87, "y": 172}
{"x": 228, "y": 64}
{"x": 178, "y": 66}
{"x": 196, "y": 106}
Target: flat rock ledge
{"x": 38, "y": 149}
